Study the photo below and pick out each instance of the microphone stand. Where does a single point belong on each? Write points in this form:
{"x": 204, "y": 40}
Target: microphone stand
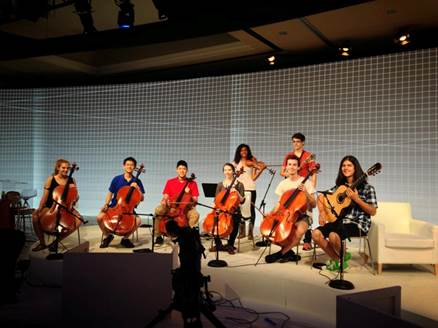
{"x": 54, "y": 246}
{"x": 339, "y": 283}
{"x": 265, "y": 242}
{"x": 147, "y": 250}
{"x": 216, "y": 263}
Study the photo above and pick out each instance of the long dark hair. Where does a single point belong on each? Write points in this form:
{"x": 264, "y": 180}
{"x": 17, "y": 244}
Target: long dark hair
{"x": 341, "y": 179}
{"x": 238, "y": 157}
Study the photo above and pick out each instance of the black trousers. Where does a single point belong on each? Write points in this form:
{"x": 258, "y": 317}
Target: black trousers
{"x": 11, "y": 244}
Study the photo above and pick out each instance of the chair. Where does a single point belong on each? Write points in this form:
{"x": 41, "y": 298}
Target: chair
{"x": 242, "y": 220}
{"x": 365, "y": 240}
{"x": 27, "y": 194}
{"x": 397, "y": 238}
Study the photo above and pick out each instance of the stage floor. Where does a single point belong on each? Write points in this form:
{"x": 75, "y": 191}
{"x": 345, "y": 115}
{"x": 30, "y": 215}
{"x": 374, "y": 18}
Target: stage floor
{"x": 296, "y": 289}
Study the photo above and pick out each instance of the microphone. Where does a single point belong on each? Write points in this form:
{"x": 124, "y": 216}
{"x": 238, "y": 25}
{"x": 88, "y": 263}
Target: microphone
{"x": 325, "y": 192}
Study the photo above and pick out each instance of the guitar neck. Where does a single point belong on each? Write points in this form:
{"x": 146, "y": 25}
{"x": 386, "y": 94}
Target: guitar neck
{"x": 358, "y": 181}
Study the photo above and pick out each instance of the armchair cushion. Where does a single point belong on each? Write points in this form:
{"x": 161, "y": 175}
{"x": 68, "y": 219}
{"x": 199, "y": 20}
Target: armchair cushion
{"x": 403, "y": 240}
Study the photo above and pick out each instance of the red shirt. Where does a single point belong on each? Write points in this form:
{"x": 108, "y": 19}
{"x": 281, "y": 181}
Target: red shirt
{"x": 174, "y": 187}
{"x": 305, "y": 167}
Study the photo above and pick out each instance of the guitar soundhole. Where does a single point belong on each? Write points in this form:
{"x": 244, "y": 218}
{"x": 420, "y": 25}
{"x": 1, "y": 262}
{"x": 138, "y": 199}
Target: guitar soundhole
{"x": 341, "y": 198}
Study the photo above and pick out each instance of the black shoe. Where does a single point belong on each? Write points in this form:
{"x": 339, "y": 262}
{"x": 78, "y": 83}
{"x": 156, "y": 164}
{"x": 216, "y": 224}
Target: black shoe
{"x": 106, "y": 241}
{"x": 159, "y": 240}
{"x": 273, "y": 257}
{"x": 127, "y": 243}
{"x": 231, "y": 249}
{"x": 290, "y": 257}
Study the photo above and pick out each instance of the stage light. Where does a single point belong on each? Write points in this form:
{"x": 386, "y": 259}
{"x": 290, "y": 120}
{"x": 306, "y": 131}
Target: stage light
{"x": 271, "y": 60}
{"x": 126, "y": 14}
{"x": 83, "y": 10}
{"x": 403, "y": 38}
{"x": 345, "y": 51}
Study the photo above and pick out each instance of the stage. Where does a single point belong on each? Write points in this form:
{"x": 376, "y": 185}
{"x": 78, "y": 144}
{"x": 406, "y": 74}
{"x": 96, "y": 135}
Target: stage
{"x": 297, "y": 290}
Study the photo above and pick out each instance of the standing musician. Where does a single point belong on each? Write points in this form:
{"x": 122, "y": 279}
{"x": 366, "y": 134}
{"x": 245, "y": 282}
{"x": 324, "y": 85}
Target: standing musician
{"x": 293, "y": 181}
{"x": 252, "y": 169}
{"x": 357, "y": 219}
{"x": 306, "y": 164}
{"x": 229, "y": 172}
{"x": 58, "y": 178}
{"x": 173, "y": 189}
{"x": 119, "y": 181}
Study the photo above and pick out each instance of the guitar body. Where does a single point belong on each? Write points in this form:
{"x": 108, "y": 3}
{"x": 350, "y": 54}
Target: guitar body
{"x": 338, "y": 201}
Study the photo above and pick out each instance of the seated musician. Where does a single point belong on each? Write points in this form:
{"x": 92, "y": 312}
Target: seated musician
{"x": 306, "y": 164}
{"x": 357, "y": 219}
{"x": 229, "y": 171}
{"x": 119, "y": 181}
{"x": 293, "y": 181}
{"x": 58, "y": 178}
{"x": 174, "y": 188}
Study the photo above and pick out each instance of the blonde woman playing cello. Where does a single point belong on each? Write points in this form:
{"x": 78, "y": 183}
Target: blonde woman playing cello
{"x": 40, "y": 220}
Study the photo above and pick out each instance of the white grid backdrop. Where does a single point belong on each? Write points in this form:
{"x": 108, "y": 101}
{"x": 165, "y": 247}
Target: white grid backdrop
{"x": 381, "y": 108}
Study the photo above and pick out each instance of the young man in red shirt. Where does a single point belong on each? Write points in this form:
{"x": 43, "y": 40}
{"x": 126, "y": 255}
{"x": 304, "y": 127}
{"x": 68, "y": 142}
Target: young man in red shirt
{"x": 168, "y": 206}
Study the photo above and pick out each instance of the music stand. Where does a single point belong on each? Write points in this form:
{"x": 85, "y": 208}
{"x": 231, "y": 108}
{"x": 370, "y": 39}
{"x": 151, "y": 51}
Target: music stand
{"x": 209, "y": 192}
{"x": 209, "y": 189}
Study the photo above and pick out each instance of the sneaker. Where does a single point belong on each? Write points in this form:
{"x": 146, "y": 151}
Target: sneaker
{"x": 106, "y": 241}
{"x": 332, "y": 265}
{"x": 273, "y": 257}
{"x": 262, "y": 243}
{"x": 290, "y": 256}
{"x": 127, "y": 243}
{"x": 347, "y": 257}
{"x": 159, "y": 240}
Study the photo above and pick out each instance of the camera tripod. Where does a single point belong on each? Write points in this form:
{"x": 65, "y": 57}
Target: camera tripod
{"x": 190, "y": 301}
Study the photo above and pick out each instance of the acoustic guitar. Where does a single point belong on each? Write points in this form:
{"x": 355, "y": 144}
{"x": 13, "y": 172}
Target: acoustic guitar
{"x": 338, "y": 201}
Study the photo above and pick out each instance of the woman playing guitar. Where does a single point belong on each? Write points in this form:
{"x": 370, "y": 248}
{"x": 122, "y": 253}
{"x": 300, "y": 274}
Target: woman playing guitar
{"x": 356, "y": 217}
{"x": 173, "y": 190}
{"x": 234, "y": 187}
{"x": 293, "y": 181}
{"x": 55, "y": 182}
{"x": 111, "y": 201}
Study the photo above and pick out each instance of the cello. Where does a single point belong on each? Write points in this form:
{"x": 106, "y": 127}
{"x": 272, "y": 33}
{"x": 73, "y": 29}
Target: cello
{"x": 121, "y": 219}
{"x": 62, "y": 218}
{"x": 179, "y": 206}
{"x": 225, "y": 202}
{"x": 279, "y": 225}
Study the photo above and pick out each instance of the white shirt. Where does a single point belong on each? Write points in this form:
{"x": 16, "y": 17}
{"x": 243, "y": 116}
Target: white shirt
{"x": 246, "y": 176}
{"x": 288, "y": 184}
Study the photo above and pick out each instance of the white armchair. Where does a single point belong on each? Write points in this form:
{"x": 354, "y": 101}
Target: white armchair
{"x": 397, "y": 238}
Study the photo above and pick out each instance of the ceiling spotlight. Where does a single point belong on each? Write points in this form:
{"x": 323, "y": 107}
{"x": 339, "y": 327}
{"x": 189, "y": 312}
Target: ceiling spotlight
{"x": 126, "y": 14}
{"x": 403, "y": 38}
{"x": 345, "y": 51}
{"x": 83, "y": 10}
{"x": 271, "y": 60}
